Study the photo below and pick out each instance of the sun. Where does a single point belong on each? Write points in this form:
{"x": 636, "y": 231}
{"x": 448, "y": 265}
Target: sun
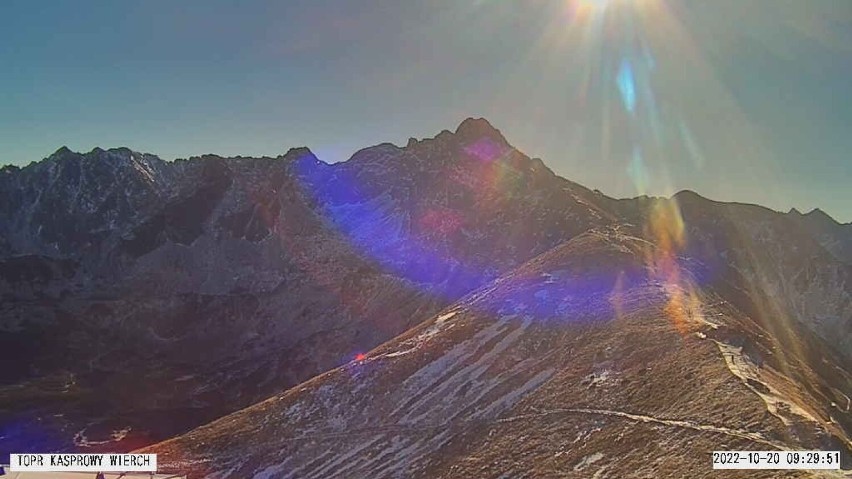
{"x": 597, "y": 3}
{"x": 596, "y": 6}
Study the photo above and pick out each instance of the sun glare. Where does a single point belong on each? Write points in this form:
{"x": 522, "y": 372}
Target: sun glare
{"x": 589, "y": 6}
{"x": 598, "y": 6}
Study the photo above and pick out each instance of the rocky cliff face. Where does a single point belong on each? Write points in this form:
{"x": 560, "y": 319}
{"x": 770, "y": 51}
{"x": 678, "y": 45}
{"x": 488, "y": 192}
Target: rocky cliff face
{"x": 835, "y": 237}
{"x": 142, "y": 298}
{"x": 211, "y": 283}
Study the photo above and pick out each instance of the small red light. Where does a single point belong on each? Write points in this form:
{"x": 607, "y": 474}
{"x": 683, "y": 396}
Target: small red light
{"x": 360, "y": 357}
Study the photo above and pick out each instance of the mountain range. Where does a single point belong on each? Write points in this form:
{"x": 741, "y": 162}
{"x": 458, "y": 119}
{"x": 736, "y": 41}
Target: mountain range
{"x": 450, "y": 308}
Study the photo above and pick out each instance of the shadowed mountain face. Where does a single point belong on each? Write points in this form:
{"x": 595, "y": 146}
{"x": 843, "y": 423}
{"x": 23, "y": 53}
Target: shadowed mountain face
{"x": 142, "y": 298}
{"x": 835, "y": 237}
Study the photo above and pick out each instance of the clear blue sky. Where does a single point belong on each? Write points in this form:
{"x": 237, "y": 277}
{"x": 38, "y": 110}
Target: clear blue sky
{"x": 744, "y": 101}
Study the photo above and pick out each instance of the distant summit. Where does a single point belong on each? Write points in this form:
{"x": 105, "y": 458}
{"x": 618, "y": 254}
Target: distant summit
{"x": 477, "y": 128}
{"x": 836, "y": 237}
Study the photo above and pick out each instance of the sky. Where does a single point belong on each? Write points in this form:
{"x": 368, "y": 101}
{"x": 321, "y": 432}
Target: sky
{"x": 739, "y": 101}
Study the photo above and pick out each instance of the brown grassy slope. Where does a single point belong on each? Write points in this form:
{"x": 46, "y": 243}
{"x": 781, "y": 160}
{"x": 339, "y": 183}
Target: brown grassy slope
{"x": 541, "y": 374}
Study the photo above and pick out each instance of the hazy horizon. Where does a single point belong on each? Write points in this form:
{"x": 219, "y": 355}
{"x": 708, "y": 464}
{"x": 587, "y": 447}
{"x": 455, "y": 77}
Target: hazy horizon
{"x": 745, "y": 103}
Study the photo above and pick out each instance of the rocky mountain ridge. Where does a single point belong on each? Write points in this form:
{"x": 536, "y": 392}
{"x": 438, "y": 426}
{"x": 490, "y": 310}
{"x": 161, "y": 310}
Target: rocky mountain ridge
{"x": 213, "y": 283}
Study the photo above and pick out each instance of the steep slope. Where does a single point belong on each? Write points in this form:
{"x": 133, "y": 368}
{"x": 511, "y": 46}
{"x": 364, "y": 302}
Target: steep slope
{"x": 770, "y": 267}
{"x": 211, "y": 283}
{"x": 577, "y": 364}
{"x": 216, "y": 296}
{"x": 141, "y": 298}
{"x": 832, "y": 235}
{"x": 453, "y": 211}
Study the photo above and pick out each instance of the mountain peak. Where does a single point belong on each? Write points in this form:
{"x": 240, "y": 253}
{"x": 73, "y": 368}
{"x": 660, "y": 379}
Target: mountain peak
{"x": 817, "y": 212}
{"x": 814, "y": 216}
{"x": 477, "y": 128}
{"x": 822, "y": 215}
{"x": 96, "y": 152}
{"x": 62, "y": 151}
{"x": 298, "y": 152}
{"x": 301, "y": 156}
{"x": 688, "y": 196}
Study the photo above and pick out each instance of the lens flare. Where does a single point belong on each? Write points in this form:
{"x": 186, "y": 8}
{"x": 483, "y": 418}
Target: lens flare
{"x": 665, "y": 226}
{"x": 627, "y": 86}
